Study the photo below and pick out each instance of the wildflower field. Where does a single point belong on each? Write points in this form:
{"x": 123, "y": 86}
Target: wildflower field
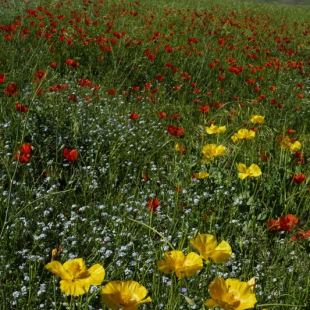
{"x": 154, "y": 155}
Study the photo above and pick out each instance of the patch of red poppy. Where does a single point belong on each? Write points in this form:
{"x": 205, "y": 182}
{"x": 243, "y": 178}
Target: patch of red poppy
{"x": 22, "y": 158}
{"x": 112, "y": 92}
{"x": 285, "y": 223}
{"x": 159, "y": 78}
{"x": 40, "y": 75}
{"x": 153, "y": 205}
{"x": 204, "y": 109}
{"x": 70, "y": 154}
{"x": 301, "y": 235}
{"x": 11, "y": 90}
{"x": 298, "y": 178}
{"x": 162, "y": 115}
{"x": 175, "y": 131}
{"x": 176, "y": 116}
{"x": 53, "y": 64}
{"x": 134, "y": 116}
{"x": 2, "y": 78}
{"x": 21, "y": 108}
{"x": 24, "y": 153}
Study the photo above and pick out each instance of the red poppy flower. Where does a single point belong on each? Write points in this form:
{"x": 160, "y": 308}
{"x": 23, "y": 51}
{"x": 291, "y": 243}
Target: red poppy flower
{"x": 134, "y": 116}
{"x": 176, "y": 116}
{"x": 175, "y": 131}
{"x": 288, "y": 222}
{"x": 2, "y": 78}
{"x": 53, "y": 64}
{"x": 24, "y": 153}
{"x": 69, "y": 62}
{"x": 11, "y": 90}
{"x": 144, "y": 176}
{"x": 40, "y": 75}
{"x": 70, "y": 154}
{"x": 159, "y": 78}
{"x": 22, "y": 158}
{"x": 112, "y": 92}
{"x": 298, "y": 178}
{"x": 285, "y": 223}
{"x": 301, "y": 235}
{"x": 21, "y": 108}
{"x": 25, "y": 148}
{"x": 291, "y": 131}
{"x": 153, "y": 204}
{"x": 162, "y": 115}
{"x": 204, "y": 109}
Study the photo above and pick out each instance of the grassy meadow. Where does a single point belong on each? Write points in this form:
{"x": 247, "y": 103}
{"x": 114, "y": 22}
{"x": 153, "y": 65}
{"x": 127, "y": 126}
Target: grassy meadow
{"x": 130, "y": 128}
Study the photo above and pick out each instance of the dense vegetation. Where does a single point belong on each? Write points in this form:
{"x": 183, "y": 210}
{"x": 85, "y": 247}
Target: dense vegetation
{"x": 129, "y": 128}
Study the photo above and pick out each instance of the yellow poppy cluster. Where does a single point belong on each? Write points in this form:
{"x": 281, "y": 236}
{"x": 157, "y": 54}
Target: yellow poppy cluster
{"x": 210, "y": 151}
{"x": 252, "y": 172}
{"x": 229, "y": 294}
{"x": 215, "y": 129}
{"x": 76, "y": 280}
{"x": 176, "y": 262}
{"x": 258, "y": 119}
{"x": 286, "y": 144}
{"x": 243, "y": 134}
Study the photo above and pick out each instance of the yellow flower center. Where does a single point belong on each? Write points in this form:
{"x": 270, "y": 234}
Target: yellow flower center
{"x": 127, "y": 301}
{"x": 229, "y": 302}
{"x": 76, "y": 272}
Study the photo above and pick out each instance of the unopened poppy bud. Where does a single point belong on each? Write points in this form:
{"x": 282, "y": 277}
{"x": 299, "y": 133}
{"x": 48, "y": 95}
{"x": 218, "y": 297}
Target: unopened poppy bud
{"x": 54, "y": 253}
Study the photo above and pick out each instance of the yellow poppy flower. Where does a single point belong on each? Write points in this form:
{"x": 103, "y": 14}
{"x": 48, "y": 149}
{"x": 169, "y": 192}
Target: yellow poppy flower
{"x": 76, "y": 279}
{"x": 286, "y": 144}
{"x": 201, "y": 175}
{"x": 252, "y": 284}
{"x": 215, "y": 129}
{"x": 127, "y": 295}
{"x": 230, "y": 294}
{"x": 213, "y": 150}
{"x": 252, "y": 172}
{"x": 208, "y": 248}
{"x": 258, "y": 119}
{"x": 176, "y": 261}
{"x": 296, "y": 146}
{"x": 243, "y": 134}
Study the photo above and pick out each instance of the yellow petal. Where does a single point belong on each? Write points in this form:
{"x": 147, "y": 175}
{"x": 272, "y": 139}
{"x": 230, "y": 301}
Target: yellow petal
{"x": 211, "y": 303}
{"x": 241, "y": 168}
{"x": 125, "y": 295}
{"x": 254, "y": 171}
{"x": 135, "y": 289}
{"x": 234, "y": 138}
{"x": 221, "y": 253}
{"x": 201, "y": 175}
{"x": 218, "y": 289}
{"x": 252, "y": 284}
{"x": 57, "y": 268}
{"x": 296, "y": 146}
{"x": 75, "y": 288}
{"x": 111, "y": 295}
{"x": 258, "y": 119}
{"x": 205, "y": 244}
{"x": 97, "y": 274}
{"x": 164, "y": 267}
{"x": 192, "y": 264}
{"x": 220, "y": 150}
